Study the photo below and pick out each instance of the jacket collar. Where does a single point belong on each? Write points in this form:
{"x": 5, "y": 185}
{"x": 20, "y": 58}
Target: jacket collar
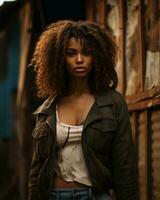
{"x": 48, "y": 108}
{"x": 95, "y": 113}
{"x": 103, "y": 99}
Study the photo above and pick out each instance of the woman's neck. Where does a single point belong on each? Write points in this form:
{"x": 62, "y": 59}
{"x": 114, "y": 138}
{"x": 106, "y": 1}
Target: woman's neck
{"x": 79, "y": 86}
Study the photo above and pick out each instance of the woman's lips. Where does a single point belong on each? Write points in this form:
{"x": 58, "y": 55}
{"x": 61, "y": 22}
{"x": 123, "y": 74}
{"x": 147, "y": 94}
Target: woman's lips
{"x": 80, "y": 69}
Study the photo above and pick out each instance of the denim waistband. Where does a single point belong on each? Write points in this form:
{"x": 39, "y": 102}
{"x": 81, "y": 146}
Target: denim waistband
{"x": 77, "y": 194}
{"x": 73, "y": 194}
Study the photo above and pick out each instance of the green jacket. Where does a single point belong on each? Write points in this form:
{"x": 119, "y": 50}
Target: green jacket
{"x": 106, "y": 143}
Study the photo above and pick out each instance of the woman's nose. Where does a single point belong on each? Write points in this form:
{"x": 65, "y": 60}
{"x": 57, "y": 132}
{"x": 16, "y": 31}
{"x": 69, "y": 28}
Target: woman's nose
{"x": 79, "y": 58}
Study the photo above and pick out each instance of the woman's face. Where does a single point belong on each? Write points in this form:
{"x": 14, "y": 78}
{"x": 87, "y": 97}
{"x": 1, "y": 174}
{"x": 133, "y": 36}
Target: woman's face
{"x": 78, "y": 58}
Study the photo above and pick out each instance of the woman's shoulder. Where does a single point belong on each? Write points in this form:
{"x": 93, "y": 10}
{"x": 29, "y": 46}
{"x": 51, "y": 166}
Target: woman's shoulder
{"x": 112, "y": 96}
{"x": 117, "y": 96}
{"x": 114, "y": 99}
{"x": 114, "y": 92}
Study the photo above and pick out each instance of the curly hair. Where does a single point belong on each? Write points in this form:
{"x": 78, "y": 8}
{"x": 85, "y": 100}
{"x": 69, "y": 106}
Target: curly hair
{"x": 49, "y": 57}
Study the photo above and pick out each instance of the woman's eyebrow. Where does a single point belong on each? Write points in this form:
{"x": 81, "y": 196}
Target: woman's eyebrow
{"x": 72, "y": 49}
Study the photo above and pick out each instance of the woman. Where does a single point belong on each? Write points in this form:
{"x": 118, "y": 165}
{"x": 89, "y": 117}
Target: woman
{"x": 83, "y": 144}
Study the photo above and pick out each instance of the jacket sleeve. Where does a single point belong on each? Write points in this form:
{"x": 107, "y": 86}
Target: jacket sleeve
{"x": 36, "y": 165}
{"x": 124, "y": 159}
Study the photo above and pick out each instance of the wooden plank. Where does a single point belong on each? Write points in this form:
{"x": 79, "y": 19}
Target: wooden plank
{"x": 101, "y": 9}
{"x": 133, "y": 120}
{"x": 89, "y": 10}
{"x": 144, "y": 104}
{"x": 26, "y": 21}
{"x": 154, "y": 92}
{"x": 121, "y": 52}
{"x": 141, "y": 50}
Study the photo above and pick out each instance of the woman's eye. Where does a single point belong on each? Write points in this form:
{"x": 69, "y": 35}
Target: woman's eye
{"x": 70, "y": 53}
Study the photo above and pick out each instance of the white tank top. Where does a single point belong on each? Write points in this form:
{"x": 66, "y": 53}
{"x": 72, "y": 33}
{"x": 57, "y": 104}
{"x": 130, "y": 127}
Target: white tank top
{"x": 71, "y": 165}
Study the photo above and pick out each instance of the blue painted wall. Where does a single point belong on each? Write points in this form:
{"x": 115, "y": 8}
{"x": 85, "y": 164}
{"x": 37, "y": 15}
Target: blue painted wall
{"x": 9, "y": 84}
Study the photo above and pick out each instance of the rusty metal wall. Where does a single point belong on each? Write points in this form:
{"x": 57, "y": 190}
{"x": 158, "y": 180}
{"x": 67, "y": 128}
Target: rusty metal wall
{"x": 146, "y": 133}
{"x": 142, "y": 161}
{"x": 155, "y": 152}
{"x": 134, "y": 26}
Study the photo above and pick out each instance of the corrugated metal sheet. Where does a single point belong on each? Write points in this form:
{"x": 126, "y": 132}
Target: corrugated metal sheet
{"x": 142, "y": 147}
{"x": 155, "y": 155}
{"x": 146, "y": 132}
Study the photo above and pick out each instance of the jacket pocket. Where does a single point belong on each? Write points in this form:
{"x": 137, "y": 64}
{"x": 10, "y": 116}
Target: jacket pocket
{"x": 105, "y": 125}
{"x": 100, "y": 135}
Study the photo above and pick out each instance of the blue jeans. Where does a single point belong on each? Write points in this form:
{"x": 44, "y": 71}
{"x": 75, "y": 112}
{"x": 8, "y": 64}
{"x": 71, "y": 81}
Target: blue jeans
{"x": 77, "y": 194}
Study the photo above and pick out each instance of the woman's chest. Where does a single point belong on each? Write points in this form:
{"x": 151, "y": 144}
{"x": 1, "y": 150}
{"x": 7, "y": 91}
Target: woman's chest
{"x": 74, "y": 112}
